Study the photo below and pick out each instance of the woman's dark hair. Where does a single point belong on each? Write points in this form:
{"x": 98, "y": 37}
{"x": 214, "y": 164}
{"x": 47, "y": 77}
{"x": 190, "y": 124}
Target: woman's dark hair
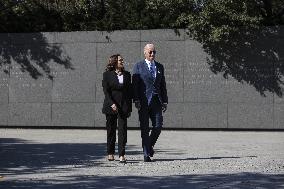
{"x": 112, "y": 62}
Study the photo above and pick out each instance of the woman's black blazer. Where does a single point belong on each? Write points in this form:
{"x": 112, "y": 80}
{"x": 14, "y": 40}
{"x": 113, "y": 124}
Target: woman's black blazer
{"x": 116, "y": 93}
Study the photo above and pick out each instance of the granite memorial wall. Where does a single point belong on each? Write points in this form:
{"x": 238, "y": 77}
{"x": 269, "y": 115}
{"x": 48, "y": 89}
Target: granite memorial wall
{"x": 54, "y": 79}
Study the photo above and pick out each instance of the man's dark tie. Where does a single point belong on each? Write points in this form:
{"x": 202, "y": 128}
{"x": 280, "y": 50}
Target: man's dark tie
{"x": 152, "y": 71}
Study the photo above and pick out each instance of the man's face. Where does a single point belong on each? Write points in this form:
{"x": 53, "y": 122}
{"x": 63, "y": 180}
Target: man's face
{"x": 150, "y": 53}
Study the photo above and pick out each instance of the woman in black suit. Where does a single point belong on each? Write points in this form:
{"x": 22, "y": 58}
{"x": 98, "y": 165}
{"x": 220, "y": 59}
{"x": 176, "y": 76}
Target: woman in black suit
{"x": 117, "y": 105}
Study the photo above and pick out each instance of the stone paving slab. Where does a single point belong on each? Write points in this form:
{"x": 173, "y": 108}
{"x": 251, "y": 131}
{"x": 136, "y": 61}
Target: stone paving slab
{"x": 57, "y": 158}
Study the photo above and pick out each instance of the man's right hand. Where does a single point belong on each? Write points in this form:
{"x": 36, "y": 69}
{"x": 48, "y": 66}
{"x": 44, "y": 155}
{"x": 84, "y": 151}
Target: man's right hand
{"x": 137, "y": 105}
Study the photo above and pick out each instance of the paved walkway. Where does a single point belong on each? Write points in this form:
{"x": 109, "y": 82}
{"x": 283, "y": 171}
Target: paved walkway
{"x": 61, "y": 159}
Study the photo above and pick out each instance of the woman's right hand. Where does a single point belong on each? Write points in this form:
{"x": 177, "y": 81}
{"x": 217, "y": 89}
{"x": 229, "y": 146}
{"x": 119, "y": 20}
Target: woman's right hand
{"x": 114, "y": 108}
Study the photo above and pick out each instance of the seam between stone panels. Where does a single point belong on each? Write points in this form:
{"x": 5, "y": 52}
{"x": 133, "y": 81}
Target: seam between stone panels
{"x": 9, "y": 78}
{"x": 96, "y": 67}
{"x": 273, "y": 105}
{"x": 183, "y": 68}
{"x": 52, "y": 85}
{"x": 51, "y": 117}
{"x": 228, "y": 115}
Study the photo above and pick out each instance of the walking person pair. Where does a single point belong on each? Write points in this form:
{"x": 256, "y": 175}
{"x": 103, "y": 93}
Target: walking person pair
{"x": 149, "y": 94}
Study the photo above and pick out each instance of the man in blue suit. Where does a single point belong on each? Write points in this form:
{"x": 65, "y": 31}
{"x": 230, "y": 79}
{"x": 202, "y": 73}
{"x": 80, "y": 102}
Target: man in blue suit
{"x": 150, "y": 98}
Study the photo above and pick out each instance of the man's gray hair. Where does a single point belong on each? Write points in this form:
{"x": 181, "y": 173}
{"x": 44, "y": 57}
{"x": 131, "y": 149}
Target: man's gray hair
{"x": 148, "y": 46}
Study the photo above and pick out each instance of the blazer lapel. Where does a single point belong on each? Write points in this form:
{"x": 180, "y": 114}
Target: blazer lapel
{"x": 146, "y": 69}
{"x": 114, "y": 77}
{"x": 158, "y": 71}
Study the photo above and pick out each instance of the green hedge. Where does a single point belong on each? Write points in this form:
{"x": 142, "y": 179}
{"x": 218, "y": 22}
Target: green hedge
{"x": 78, "y": 15}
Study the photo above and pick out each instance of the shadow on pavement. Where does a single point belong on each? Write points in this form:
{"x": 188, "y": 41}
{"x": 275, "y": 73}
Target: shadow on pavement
{"x": 19, "y": 156}
{"x": 220, "y": 181}
{"x": 26, "y": 157}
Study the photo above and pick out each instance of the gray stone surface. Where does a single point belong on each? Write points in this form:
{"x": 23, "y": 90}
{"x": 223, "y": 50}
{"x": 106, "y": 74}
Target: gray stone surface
{"x": 200, "y": 83}
{"x": 25, "y": 60}
{"x": 244, "y": 93}
{"x": 278, "y": 99}
{"x": 74, "y": 88}
{"x": 29, "y": 114}
{"x": 174, "y": 116}
{"x": 26, "y": 89}
{"x": 32, "y": 38}
{"x": 73, "y": 114}
{"x": 205, "y": 115}
{"x": 61, "y": 159}
{"x": 133, "y": 120}
{"x": 76, "y": 84}
{"x": 171, "y": 54}
{"x": 4, "y": 113}
{"x": 97, "y": 36}
{"x": 202, "y": 86}
{"x": 5, "y": 38}
{"x": 99, "y": 116}
{"x": 79, "y": 37}
{"x": 4, "y": 87}
{"x": 155, "y": 35}
{"x": 43, "y": 70}
{"x": 122, "y": 36}
{"x": 278, "y": 116}
{"x": 257, "y": 116}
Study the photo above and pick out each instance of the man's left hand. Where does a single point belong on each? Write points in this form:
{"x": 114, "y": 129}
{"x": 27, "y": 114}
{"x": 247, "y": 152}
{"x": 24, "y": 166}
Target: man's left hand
{"x": 164, "y": 107}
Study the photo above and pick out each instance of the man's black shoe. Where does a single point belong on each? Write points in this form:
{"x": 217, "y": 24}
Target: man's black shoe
{"x": 147, "y": 159}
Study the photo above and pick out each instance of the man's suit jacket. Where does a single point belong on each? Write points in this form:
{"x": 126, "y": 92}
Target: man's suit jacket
{"x": 144, "y": 84}
{"x": 116, "y": 93}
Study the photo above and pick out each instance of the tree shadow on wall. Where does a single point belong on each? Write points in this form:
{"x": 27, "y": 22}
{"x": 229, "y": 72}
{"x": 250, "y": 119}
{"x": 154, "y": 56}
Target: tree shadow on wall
{"x": 31, "y": 53}
{"x": 252, "y": 57}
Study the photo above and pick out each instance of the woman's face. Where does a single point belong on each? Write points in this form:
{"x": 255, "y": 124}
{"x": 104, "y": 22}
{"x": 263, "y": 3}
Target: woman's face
{"x": 120, "y": 62}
